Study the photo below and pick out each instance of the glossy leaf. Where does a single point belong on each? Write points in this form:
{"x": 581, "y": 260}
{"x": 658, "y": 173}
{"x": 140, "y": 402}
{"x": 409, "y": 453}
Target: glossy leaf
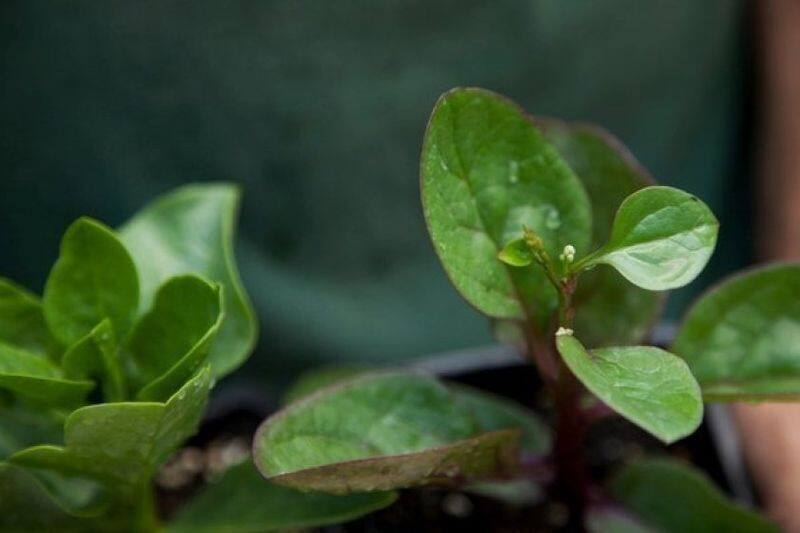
{"x": 661, "y": 238}
{"x": 93, "y": 279}
{"x": 172, "y": 340}
{"x": 242, "y": 501}
{"x": 378, "y": 432}
{"x": 123, "y": 443}
{"x": 650, "y": 387}
{"x": 22, "y": 321}
{"x": 37, "y": 380}
{"x": 191, "y": 230}
{"x": 742, "y": 339}
{"x": 487, "y": 172}
{"x": 675, "y": 498}
{"x": 96, "y": 356}
{"x": 609, "y": 310}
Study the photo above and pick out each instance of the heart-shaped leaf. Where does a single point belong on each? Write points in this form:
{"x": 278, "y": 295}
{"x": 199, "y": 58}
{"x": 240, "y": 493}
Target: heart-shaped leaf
{"x": 93, "y": 279}
{"x": 661, "y": 238}
{"x": 379, "y": 432}
{"x": 22, "y": 321}
{"x": 37, "y": 380}
{"x": 173, "y": 339}
{"x": 742, "y": 338}
{"x": 486, "y": 173}
{"x": 650, "y": 387}
{"x": 191, "y": 230}
{"x": 96, "y": 356}
{"x": 609, "y": 310}
{"x": 123, "y": 443}
{"x": 674, "y": 498}
{"x": 243, "y": 501}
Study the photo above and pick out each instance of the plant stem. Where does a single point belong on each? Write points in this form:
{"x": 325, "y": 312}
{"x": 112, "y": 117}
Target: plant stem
{"x": 571, "y": 475}
{"x": 571, "y": 481}
{"x": 133, "y": 511}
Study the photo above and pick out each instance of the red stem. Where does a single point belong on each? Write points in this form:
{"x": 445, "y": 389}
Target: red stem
{"x": 571, "y": 484}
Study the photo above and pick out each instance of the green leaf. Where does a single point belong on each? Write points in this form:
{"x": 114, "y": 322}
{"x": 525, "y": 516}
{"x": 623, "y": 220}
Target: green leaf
{"x": 517, "y": 253}
{"x": 22, "y": 426}
{"x": 661, "y": 238}
{"x": 242, "y": 501}
{"x": 172, "y": 340}
{"x": 650, "y": 387}
{"x": 191, "y": 230}
{"x": 378, "y": 432}
{"x": 494, "y": 413}
{"x": 96, "y": 356}
{"x": 37, "y": 380}
{"x": 742, "y": 338}
{"x": 609, "y": 310}
{"x": 93, "y": 279}
{"x": 123, "y": 443}
{"x": 486, "y": 172}
{"x": 673, "y": 497}
{"x": 22, "y": 322}
{"x": 25, "y": 505}
{"x": 489, "y": 411}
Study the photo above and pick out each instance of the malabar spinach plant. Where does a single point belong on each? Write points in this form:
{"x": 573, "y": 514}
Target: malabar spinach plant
{"x": 555, "y": 233}
{"x": 109, "y": 372}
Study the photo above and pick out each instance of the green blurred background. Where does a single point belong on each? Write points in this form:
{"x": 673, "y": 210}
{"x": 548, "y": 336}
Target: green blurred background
{"x": 317, "y": 109}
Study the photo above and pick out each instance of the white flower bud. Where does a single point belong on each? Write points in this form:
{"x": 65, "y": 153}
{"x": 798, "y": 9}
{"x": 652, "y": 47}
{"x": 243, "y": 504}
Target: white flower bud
{"x": 563, "y": 331}
{"x": 569, "y": 254}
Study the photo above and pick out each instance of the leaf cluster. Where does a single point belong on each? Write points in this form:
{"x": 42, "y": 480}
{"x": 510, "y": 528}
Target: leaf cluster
{"x": 106, "y": 374}
{"x": 555, "y": 233}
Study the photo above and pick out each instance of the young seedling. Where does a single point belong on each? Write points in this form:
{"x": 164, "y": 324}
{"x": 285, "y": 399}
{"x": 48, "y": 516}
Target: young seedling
{"x": 106, "y": 375}
{"x": 556, "y": 234}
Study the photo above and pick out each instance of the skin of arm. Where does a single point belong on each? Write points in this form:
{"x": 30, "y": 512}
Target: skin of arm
{"x": 771, "y": 431}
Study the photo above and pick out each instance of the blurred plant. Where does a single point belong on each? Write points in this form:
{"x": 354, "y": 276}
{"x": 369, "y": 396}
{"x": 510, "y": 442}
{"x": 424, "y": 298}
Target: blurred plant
{"x": 109, "y": 373}
{"x": 526, "y": 216}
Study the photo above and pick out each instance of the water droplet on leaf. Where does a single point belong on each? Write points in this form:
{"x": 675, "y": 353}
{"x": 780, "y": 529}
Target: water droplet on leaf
{"x": 552, "y": 219}
{"x": 513, "y": 172}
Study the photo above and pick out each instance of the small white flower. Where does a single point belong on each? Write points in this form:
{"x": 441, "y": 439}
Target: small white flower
{"x": 569, "y": 254}
{"x": 563, "y": 331}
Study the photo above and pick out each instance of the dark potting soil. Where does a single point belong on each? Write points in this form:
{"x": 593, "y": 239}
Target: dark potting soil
{"x": 225, "y": 437}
